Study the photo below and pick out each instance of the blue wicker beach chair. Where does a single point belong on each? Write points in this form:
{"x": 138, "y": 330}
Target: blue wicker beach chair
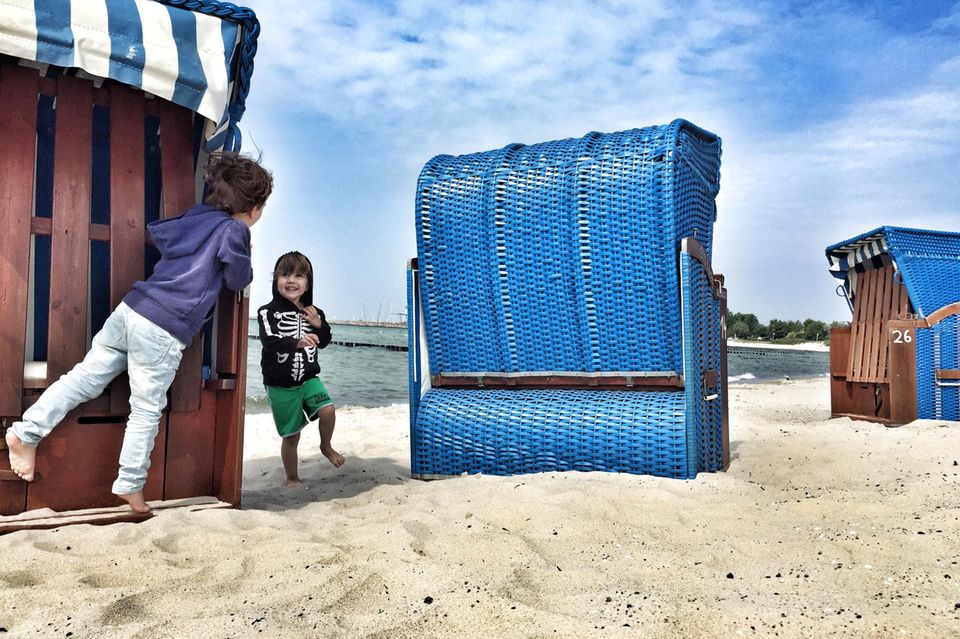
{"x": 563, "y": 314}
{"x": 899, "y": 360}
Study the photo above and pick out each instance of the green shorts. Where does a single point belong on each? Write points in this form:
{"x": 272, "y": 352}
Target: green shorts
{"x": 294, "y": 407}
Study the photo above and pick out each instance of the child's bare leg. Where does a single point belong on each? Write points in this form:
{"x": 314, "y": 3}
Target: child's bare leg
{"x": 136, "y": 501}
{"x": 328, "y": 419}
{"x": 22, "y": 458}
{"x": 288, "y": 453}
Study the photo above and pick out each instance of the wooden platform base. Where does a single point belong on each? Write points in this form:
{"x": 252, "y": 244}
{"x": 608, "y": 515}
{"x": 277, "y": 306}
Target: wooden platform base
{"x": 45, "y": 518}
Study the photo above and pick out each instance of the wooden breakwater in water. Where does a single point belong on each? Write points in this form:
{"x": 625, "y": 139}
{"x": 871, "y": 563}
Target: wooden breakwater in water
{"x": 389, "y": 347}
{"x": 746, "y": 352}
{"x": 759, "y": 353}
{"x": 367, "y": 323}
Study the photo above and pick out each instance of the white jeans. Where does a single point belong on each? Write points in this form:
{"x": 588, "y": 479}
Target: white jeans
{"x": 151, "y": 357}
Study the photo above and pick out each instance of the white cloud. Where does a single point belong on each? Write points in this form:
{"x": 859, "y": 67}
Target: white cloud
{"x": 832, "y": 122}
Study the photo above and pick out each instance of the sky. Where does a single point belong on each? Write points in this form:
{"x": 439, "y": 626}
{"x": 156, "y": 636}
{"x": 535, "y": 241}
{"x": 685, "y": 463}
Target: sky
{"x": 836, "y": 117}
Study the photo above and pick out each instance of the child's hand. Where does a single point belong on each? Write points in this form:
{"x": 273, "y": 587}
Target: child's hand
{"x": 308, "y": 340}
{"x": 311, "y": 314}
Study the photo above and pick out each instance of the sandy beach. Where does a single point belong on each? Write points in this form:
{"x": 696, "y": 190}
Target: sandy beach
{"x": 820, "y": 528}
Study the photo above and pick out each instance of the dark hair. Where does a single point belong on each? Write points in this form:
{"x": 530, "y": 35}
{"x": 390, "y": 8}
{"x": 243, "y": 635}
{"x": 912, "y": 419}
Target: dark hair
{"x": 236, "y": 183}
{"x": 292, "y": 262}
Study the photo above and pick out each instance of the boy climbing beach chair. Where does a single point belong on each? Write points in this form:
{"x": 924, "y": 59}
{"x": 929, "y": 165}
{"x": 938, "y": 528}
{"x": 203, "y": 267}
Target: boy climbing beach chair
{"x": 112, "y": 127}
{"x": 563, "y": 313}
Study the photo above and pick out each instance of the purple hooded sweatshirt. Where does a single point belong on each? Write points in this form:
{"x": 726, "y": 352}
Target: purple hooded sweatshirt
{"x": 200, "y": 252}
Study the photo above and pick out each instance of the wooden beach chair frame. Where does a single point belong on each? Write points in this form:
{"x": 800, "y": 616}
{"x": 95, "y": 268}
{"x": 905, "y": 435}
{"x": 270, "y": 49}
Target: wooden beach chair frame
{"x": 74, "y": 242}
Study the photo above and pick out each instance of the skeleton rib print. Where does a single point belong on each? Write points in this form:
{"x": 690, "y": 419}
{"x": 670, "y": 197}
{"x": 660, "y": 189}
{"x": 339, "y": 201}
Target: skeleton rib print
{"x": 292, "y": 324}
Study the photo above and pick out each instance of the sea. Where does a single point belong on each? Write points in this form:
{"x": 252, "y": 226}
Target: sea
{"x": 367, "y": 366}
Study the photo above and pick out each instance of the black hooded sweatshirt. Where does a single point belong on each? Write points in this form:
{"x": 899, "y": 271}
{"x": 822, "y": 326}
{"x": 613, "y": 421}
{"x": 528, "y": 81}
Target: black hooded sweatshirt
{"x": 282, "y": 325}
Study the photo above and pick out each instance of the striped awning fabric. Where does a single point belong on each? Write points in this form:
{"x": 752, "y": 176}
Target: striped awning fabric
{"x": 195, "y": 53}
{"x": 856, "y": 255}
{"x": 855, "y": 252}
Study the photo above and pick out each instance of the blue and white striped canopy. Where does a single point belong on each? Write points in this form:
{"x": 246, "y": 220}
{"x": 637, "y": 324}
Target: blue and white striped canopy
{"x": 190, "y": 56}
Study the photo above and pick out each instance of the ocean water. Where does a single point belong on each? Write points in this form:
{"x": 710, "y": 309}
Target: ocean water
{"x": 354, "y": 375}
{"x": 377, "y": 375}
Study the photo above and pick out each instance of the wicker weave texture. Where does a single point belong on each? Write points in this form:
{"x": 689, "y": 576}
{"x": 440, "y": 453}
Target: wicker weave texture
{"x": 506, "y": 432}
{"x": 502, "y": 432}
{"x": 563, "y": 255}
{"x": 929, "y": 262}
{"x": 702, "y": 326}
{"x": 938, "y": 348}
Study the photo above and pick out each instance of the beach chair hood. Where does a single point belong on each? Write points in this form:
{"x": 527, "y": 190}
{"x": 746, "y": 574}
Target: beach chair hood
{"x": 196, "y": 53}
{"x": 926, "y": 261}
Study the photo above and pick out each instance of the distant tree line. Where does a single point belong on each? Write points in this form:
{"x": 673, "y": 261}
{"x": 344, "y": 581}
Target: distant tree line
{"x": 747, "y": 326}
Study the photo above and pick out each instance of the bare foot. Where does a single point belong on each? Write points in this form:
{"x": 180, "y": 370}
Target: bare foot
{"x": 293, "y": 483}
{"x": 136, "y": 501}
{"x": 22, "y": 457}
{"x": 335, "y": 458}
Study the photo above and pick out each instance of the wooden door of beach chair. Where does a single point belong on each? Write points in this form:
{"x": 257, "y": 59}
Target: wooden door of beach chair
{"x": 87, "y": 163}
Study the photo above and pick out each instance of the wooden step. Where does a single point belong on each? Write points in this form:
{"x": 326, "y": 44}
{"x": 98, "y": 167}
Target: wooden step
{"x": 46, "y": 518}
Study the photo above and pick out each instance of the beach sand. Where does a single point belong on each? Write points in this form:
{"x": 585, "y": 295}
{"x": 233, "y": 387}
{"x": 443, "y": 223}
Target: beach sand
{"x": 821, "y": 527}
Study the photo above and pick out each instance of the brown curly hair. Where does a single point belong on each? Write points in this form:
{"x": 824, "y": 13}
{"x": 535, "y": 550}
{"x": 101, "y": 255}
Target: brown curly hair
{"x": 236, "y": 183}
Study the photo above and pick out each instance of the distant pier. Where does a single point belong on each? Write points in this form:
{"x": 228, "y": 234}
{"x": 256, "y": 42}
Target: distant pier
{"x": 389, "y": 347}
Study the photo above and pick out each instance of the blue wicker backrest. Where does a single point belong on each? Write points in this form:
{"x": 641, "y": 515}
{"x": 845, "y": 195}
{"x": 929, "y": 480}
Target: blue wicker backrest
{"x": 929, "y": 262}
{"x": 563, "y": 256}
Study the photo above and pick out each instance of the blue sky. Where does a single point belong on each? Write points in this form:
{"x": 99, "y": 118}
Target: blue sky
{"x": 836, "y": 117}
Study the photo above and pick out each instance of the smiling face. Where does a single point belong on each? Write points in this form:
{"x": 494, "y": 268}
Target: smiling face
{"x": 292, "y": 286}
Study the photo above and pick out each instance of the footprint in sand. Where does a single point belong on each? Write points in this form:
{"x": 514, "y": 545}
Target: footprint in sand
{"x": 420, "y": 533}
{"x": 168, "y": 543}
{"x": 20, "y": 579}
{"x": 124, "y": 610}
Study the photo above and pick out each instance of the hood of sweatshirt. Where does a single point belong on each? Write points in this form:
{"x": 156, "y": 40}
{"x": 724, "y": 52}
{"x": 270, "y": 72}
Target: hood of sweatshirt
{"x": 187, "y": 234}
{"x": 307, "y": 298}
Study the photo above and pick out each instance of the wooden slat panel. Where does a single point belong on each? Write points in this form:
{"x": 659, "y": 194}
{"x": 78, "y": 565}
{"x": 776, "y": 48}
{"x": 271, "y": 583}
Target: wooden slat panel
{"x": 880, "y": 299}
{"x": 179, "y": 194}
{"x": 858, "y": 325}
{"x": 127, "y": 226}
{"x": 18, "y": 130}
{"x": 639, "y": 383}
{"x": 103, "y": 516}
{"x": 903, "y": 370}
{"x": 876, "y": 325}
{"x": 228, "y": 326}
{"x": 887, "y": 312}
{"x": 904, "y": 301}
{"x": 70, "y": 241}
{"x": 872, "y": 327}
{"x": 176, "y": 151}
{"x": 228, "y": 457}
{"x": 855, "y": 344}
{"x": 79, "y": 464}
{"x": 13, "y": 490}
{"x": 942, "y": 313}
{"x": 126, "y": 191}
{"x": 839, "y": 351}
{"x": 186, "y": 387}
{"x": 191, "y": 438}
{"x": 44, "y": 226}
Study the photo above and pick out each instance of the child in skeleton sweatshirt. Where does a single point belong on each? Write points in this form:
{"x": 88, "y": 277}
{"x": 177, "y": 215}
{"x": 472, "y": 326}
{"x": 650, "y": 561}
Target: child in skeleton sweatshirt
{"x": 292, "y": 331}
